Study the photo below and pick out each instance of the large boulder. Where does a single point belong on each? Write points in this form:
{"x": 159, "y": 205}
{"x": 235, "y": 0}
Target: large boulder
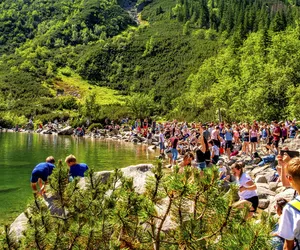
{"x": 273, "y": 186}
{"x": 18, "y": 226}
{"x": 258, "y": 170}
{"x": 139, "y": 174}
{"x": 66, "y": 131}
{"x": 263, "y": 192}
{"x": 263, "y": 203}
{"x": 261, "y": 179}
{"x": 288, "y": 194}
{"x": 263, "y": 185}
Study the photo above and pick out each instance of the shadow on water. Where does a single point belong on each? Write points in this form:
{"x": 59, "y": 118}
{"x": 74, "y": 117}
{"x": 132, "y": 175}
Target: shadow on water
{"x": 7, "y": 190}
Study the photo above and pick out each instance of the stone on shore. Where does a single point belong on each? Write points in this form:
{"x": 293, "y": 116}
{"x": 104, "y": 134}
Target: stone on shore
{"x": 66, "y": 131}
{"x": 263, "y": 203}
{"x": 261, "y": 179}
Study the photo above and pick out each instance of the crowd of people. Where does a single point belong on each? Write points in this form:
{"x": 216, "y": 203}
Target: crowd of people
{"x": 204, "y": 145}
{"x": 216, "y": 139}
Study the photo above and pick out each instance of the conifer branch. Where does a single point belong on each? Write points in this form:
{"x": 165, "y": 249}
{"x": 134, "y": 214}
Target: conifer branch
{"x": 252, "y": 244}
{"x": 76, "y": 236}
{"x": 89, "y": 239}
{"x": 157, "y": 238}
{"x": 220, "y": 229}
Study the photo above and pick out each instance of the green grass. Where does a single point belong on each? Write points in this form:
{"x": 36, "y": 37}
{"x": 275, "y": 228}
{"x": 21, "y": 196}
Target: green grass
{"x": 76, "y": 85}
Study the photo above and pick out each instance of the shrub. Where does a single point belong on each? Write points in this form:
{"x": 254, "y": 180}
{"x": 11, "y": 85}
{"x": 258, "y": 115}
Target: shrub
{"x": 203, "y": 214}
{"x": 94, "y": 125}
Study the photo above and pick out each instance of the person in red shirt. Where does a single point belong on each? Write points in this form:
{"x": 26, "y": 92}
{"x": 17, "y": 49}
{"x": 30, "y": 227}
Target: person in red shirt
{"x": 276, "y": 135}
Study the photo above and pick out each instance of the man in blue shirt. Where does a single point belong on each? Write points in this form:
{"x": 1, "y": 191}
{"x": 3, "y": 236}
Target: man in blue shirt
{"x": 76, "y": 169}
{"x": 293, "y": 130}
{"x": 228, "y": 136}
{"x": 40, "y": 173}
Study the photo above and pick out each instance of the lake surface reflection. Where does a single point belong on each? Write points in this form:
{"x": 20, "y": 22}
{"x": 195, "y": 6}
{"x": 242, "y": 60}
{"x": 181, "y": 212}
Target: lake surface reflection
{"x": 20, "y": 152}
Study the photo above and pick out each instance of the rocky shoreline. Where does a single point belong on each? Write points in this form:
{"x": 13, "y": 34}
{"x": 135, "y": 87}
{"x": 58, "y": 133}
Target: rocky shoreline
{"x": 268, "y": 190}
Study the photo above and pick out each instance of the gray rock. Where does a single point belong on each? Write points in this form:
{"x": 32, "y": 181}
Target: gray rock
{"x": 263, "y": 203}
{"x": 271, "y": 208}
{"x": 46, "y": 132}
{"x": 263, "y": 185}
{"x": 287, "y": 194}
{"x": 66, "y": 131}
{"x": 231, "y": 162}
{"x": 250, "y": 167}
{"x": 135, "y": 140}
{"x": 18, "y": 226}
{"x": 280, "y": 189}
{"x": 257, "y": 170}
{"x": 263, "y": 192}
{"x": 261, "y": 179}
{"x": 256, "y": 160}
{"x": 273, "y": 186}
{"x": 269, "y": 175}
{"x": 152, "y": 148}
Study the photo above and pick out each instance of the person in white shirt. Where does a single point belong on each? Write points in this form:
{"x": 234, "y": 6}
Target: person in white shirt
{"x": 289, "y": 226}
{"x": 223, "y": 171}
{"x": 247, "y": 188}
{"x": 161, "y": 142}
{"x": 215, "y": 152}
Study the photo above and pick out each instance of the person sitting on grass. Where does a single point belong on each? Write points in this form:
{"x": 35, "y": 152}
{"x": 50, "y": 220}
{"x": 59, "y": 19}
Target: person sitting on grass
{"x": 76, "y": 169}
{"x": 41, "y": 173}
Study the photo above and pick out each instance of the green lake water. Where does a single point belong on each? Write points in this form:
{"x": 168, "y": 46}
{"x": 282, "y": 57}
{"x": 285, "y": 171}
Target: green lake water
{"x": 20, "y": 152}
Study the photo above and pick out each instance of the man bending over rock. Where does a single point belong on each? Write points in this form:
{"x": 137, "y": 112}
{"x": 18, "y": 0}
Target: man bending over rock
{"x": 76, "y": 169}
{"x": 40, "y": 174}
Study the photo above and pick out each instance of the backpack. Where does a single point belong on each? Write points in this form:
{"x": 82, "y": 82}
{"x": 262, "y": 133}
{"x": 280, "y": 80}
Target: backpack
{"x": 295, "y": 204}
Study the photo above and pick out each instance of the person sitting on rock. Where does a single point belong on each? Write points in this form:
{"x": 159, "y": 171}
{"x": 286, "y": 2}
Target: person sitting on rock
{"x": 247, "y": 188}
{"x": 41, "y": 173}
{"x": 278, "y": 242}
{"x": 223, "y": 171}
{"x": 267, "y": 159}
{"x": 76, "y": 169}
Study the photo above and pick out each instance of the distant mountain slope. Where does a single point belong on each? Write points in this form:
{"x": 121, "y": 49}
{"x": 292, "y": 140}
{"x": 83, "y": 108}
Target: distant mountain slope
{"x": 173, "y": 56}
{"x": 59, "y": 23}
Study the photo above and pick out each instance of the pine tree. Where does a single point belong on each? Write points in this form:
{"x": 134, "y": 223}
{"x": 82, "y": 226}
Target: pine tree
{"x": 108, "y": 214}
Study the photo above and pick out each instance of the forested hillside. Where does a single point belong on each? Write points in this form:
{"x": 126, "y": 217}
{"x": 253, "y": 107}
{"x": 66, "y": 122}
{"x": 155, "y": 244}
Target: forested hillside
{"x": 183, "y": 58}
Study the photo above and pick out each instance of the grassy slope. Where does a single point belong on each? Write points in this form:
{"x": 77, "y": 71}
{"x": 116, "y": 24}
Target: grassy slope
{"x": 75, "y": 85}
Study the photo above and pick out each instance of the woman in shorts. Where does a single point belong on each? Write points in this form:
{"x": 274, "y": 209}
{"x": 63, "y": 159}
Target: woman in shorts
{"x": 253, "y": 139}
{"x": 247, "y": 188}
{"x": 246, "y": 139}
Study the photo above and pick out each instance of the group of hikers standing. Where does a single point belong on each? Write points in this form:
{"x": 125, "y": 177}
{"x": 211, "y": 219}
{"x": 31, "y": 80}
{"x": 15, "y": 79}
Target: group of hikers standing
{"x": 217, "y": 139}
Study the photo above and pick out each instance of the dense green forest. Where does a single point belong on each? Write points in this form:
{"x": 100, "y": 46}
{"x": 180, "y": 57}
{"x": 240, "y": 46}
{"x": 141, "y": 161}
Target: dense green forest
{"x": 183, "y": 59}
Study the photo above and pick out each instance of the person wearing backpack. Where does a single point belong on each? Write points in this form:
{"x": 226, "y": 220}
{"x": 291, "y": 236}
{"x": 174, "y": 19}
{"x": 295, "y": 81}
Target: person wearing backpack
{"x": 289, "y": 228}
